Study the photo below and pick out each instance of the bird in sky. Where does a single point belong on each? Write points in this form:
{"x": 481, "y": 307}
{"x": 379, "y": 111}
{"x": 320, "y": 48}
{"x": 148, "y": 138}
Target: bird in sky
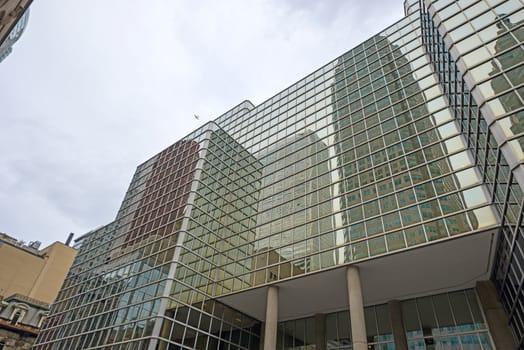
{"x": 197, "y": 116}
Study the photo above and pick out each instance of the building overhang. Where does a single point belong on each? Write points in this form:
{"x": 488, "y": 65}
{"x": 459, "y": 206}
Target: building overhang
{"x": 443, "y": 266}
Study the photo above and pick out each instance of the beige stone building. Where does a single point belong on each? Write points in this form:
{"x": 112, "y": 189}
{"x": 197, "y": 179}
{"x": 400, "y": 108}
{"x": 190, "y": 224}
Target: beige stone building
{"x": 35, "y": 273}
{"x": 30, "y": 279}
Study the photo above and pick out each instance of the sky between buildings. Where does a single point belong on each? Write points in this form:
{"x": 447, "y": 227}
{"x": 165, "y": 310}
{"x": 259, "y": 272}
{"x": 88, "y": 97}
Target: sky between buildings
{"x": 94, "y": 88}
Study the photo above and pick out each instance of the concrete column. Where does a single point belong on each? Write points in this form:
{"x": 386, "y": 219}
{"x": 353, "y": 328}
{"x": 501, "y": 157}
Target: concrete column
{"x": 262, "y": 331}
{"x": 270, "y": 333}
{"x": 397, "y": 325}
{"x": 495, "y": 316}
{"x": 356, "y": 309}
{"x": 320, "y": 332}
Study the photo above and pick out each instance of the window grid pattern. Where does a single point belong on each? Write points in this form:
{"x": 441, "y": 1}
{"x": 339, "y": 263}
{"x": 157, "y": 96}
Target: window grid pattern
{"x": 445, "y": 321}
{"x": 113, "y": 293}
{"x": 497, "y": 27}
{"x": 374, "y": 171}
{"x": 451, "y": 321}
{"x": 362, "y": 158}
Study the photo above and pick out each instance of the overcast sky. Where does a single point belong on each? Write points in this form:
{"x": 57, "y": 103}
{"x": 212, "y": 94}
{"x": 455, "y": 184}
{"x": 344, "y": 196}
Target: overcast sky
{"x": 94, "y": 88}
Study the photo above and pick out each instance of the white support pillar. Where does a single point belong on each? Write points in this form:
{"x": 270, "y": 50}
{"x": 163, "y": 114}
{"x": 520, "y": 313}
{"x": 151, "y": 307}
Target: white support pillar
{"x": 270, "y": 334}
{"x": 356, "y": 309}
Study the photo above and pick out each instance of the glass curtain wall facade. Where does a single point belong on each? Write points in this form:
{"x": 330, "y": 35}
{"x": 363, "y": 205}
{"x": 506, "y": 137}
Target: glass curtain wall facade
{"x": 407, "y": 141}
{"x": 442, "y": 321}
{"x": 487, "y": 96}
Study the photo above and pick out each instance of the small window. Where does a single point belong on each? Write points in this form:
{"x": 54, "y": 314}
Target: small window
{"x": 41, "y": 320}
{"x": 17, "y": 317}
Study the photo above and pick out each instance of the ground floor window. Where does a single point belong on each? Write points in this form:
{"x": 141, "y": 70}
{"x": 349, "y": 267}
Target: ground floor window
{"x": 448, "y": 321}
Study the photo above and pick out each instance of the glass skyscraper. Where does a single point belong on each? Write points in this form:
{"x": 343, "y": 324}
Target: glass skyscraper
{"x": 375, "y": 204}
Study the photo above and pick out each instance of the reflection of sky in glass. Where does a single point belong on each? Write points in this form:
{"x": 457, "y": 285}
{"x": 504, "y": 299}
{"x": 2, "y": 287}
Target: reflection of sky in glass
{"x": 492, "y": 35}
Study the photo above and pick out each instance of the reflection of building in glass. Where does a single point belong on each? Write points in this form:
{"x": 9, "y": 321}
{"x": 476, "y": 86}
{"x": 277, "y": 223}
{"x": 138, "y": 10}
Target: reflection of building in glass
{"x": 501, "y": 81}
{"x": 295, "y": 192}
{"x": 171, "y": 173}
{"x": 486, "y": 96}
{"x": 375, "y": 159}
{"x": 381, "y": 181}
{"x": 14, "y": 15}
